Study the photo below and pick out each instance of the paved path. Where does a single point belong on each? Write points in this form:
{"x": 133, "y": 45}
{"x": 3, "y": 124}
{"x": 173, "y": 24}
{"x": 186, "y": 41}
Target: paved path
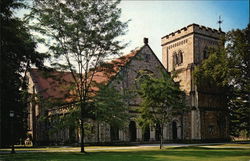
{"x": 76, "y": 149}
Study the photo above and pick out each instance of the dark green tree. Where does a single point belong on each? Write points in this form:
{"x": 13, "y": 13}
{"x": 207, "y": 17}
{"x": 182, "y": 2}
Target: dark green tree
{"x": 80, "y": 34}
{"x": 110, "y": 107}
{"x": 161, "y": 99}
{"x": 228, "y": 68}
{"x": 17, "y": 55}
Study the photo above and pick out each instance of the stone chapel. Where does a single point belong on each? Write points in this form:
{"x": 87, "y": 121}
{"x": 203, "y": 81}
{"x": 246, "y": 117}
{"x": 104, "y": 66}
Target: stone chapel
{"x": 204, "y": 120}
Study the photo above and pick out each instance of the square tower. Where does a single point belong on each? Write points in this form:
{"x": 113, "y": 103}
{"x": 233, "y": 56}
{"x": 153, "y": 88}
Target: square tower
{"x": 181, "y": 52}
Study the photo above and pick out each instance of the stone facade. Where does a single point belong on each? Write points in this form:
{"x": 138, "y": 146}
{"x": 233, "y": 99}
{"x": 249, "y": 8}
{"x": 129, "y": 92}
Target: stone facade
{"x": 204, "y": 120}
{"x": 207, "y": 104}
{"x": 141, "y": 59}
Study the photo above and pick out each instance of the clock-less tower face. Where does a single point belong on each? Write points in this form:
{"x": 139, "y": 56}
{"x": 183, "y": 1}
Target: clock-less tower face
{"x": 185, "y": 48}
{"x": 178, "y": 53}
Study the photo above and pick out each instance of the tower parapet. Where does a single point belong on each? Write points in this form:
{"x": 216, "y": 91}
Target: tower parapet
{"x": 191, "y": 29}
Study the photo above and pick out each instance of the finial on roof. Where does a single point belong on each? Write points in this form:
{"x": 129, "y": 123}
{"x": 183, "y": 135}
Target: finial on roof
{"x": 220, "y": 22}
{"x": 145, "y": 40}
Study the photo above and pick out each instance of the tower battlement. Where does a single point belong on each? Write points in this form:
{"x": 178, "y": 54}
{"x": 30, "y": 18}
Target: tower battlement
{"x": 191, "y": 29}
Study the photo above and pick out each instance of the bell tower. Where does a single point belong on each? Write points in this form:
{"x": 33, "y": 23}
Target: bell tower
{"x": 182, "y": 50}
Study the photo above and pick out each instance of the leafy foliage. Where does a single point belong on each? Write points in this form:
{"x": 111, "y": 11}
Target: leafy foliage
{"x": 228, "y": 68}
{"x": 17, "y": 54}
{"x": 80, "y": 34}
{"x": 110, "y": 106}
{"x": 162, "y": 98}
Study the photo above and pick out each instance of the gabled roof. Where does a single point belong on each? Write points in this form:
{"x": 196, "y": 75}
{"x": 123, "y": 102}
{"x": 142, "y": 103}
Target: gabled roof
{"x": 53, "y": 84}
{"x": 57, "y": 84}
{"x": 108, "y": 70}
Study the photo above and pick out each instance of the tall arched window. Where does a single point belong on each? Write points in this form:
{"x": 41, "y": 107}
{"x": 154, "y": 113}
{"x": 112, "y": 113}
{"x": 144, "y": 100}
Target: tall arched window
{"x": 180, "y": 57}
{"x": 175, "y": 59}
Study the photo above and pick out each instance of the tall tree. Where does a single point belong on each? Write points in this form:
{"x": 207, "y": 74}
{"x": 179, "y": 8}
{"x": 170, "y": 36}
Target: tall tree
{"x": 17, "y": 55}
{"x": 228, "y": 68}
{"x": 80, "y": 34}
{"x": 161, "y": 99}
{"x": 110, "y": 107}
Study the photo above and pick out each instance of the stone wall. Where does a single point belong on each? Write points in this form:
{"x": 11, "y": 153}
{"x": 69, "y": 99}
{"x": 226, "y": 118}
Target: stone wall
{"x": 145, "y": 60}
{"x": 204, "y": 101}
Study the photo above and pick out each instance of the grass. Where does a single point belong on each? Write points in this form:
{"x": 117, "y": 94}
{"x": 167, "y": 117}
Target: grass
{"x": 233, "y": 145}
{"x": 139, "y": 154}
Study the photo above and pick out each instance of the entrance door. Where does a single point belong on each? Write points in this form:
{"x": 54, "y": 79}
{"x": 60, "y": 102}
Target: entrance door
{"x": 132, "y": 131}
{"x": 114, "y": 133}
{"x": 174, "y": 130}
{"x": 158, "y": 132}
{"x": 146, "y": 134}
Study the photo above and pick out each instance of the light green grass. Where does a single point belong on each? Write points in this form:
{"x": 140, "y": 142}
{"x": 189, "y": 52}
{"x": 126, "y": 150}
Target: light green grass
{"x": 234, "y": 145}
{"x": 60, "y": 148}
{"x": 139, "y": 154}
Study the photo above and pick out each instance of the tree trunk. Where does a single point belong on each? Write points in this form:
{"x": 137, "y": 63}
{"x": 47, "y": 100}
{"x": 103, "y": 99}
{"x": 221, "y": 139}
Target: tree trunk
{"x": 98, "y": 132}
{"x": 161, "y": 137}
{"x": 81, "y": 126}
{"x": 82, "y": 137}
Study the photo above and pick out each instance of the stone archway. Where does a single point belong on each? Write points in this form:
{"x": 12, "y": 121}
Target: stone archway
{"x": 114, "y": 133}
{"x": 158, "y": 132}
{"x": 132, "y": 131}
{"x": 146, "y": 134}
{"x": 174, "y": 130}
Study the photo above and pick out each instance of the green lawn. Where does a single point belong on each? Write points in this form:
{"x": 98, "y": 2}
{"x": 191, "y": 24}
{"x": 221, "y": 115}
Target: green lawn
{"x": 141, "y": 154}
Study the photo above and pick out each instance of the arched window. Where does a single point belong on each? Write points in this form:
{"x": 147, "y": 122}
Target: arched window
{"x": 147, "y": 57}
{"x": 180, "y": 57}
{"x": 174, "y": 130}
{"x": 175, "y": 59}
{"x": 142, "y": 75}
{"x": 132, "y": 131}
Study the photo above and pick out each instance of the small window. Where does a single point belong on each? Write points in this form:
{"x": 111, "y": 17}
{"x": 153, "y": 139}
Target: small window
{"x": 147, "y": 57}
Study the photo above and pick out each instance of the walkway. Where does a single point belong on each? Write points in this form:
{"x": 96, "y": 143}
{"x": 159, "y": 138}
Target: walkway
{"x": 101, "y": 148}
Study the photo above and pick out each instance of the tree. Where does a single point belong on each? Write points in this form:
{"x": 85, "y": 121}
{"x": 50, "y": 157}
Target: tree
{"x": 228, "y": 68}
{"x": 161, "y": 99}
{"x": 110, "y": 107}
{"x": 17, "y": 55}
{"x": 81, "y": 34}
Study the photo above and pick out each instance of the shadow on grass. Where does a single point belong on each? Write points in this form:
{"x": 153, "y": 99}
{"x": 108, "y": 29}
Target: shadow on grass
{"x": 184, "y": 153}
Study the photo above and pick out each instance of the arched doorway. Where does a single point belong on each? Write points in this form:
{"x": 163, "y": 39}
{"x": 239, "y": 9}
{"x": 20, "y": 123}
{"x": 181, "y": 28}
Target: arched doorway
{"x": 72, "y": 134}
{"x": 158, "y": 132}
{"x": 146, "y": 134}
{"x": 114, "y": 133}
{"x": 132, "y": 131}
{"x": 174, "y": 130}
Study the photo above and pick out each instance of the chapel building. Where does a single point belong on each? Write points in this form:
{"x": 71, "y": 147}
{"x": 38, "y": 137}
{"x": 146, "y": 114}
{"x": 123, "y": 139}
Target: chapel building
{"x": 204, "y": 119}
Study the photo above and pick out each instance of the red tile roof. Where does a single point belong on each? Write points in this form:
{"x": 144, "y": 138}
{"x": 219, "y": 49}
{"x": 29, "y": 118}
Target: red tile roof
{"x": 107, "y": 71}
{"x": 57, "y": 84}
{"x": 54, "y": 84}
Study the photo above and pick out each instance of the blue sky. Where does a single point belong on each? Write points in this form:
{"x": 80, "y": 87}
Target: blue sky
{"x": 155, "y": 19}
